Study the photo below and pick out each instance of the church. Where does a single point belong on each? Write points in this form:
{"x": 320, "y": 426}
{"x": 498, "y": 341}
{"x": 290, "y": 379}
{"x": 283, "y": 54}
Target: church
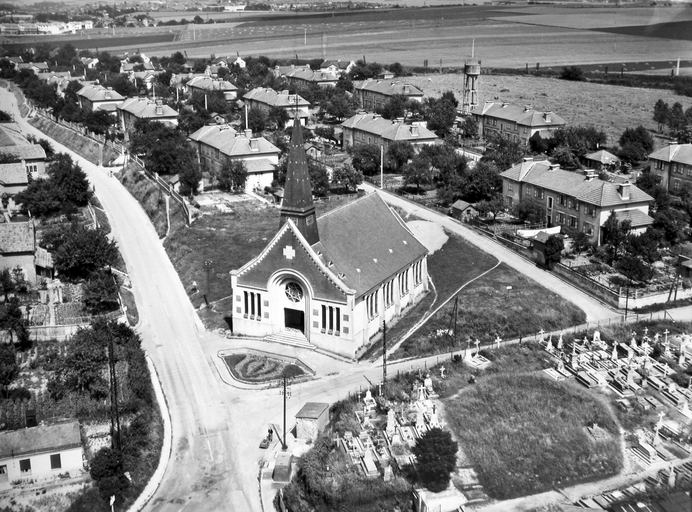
{"x": 329, "y": 282}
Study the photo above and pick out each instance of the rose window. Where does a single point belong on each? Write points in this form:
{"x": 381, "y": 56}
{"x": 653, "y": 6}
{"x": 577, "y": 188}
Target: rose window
{"x": 294, "y": 292}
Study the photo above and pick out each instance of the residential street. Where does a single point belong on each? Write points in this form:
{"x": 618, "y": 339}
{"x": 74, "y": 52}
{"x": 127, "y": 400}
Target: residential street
{"x": 217, "y": 426}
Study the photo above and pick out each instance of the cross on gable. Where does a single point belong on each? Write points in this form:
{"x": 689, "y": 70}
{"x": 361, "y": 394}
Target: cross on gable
{"x": 289, "y": 253}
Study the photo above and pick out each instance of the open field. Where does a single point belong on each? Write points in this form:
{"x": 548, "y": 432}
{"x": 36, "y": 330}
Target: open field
{"x": 606, "y": 107}
{"x": 526, "y": 434}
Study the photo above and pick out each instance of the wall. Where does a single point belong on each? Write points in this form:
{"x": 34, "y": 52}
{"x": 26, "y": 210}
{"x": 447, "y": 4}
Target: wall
{"x": 71, "y": 461}
{"x": 25, "y": 261}
{"x": 587, "y": 285}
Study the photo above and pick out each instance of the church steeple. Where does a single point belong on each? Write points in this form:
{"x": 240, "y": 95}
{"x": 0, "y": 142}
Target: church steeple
{"x": 297, "y": 204}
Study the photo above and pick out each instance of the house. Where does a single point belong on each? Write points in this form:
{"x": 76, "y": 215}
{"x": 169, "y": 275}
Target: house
{"x": 215, "y": 145}
{"x": 305, "y": 77}
{"x": 516, "y": 123}
{"x": 575, "y": 201}
{"x": 312, "y": 151}
{"x": 282, "y": 71}
{"x": 89, "y": 62}
{"x": 13, "y": 178}
{"x": 34, "y": 67}
{"x": 12, "y": 142}
{"x": 463, "y": 211}
{"x": 145, "y": 78}
{"x": 310, "y": 288}
{"x": 18, "y": 248}
{"x": 374, "y": 94}
{"x": 601, "y": 160}
{"x": 126, "y": 67}
{"x": 205, "y": 84}
{"x": 265, "y": 99}
{"x": 133, "y": 109}
{"x": 338, "y": 67}
{"x": 311, "y": 420}
{"x": 375, "y": 129}
{"x": 673, "y": 164}
{"x": 97, "y": 97}
{"x": 221, "y": 62}
{"x": 41, "y": 452}
{"x": 239, "y": 62}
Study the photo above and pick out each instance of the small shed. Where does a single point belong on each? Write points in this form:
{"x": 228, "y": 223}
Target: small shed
{"x": 461, "y": 210}
{"x": 601, "y": 160}
{"x": 282, "y": 467}
{"x": 311, "y": 420}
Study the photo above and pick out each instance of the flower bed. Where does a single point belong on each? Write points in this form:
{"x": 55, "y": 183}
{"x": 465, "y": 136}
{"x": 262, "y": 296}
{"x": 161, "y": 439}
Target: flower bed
{"x": 260, "y": 368}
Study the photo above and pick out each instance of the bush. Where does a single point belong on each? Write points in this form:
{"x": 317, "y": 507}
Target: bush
{"x": 573, "y": 73}
{"x": 436, "y": 458}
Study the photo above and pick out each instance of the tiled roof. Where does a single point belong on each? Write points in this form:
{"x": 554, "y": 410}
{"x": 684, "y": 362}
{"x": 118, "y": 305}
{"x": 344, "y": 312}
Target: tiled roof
{"x": 312, "y": 76}
{"x": 592, "y": 191}
{"x": 637, "y": 218}
{"x": 521, "y": 115}
{"x": 130, "y": 66}
{"x": 50, "y": 74}
{"x": 259, "y": 166}
{"x": 41, "y": 439}
{"x": 390, "y": 130}
{"x": 341, "y": 64}
{"x": 11, "y": 135}
{"x": 275, "y": 99}
{"x": 16, "y": 237}
{"x": 679, "y": 153}
{"x": 13, "y": 174}
{"x": 144, "y": 108}
{"x": 284, "y": 70}
{"x": 96, "y": 93}
{"x": 210, "y": 84}
{"x": 29, "y": 65}
{"x": 387, "y": 87}
{"x": 231, "y": 143}
{"x": 461, "y": 205}
{"x": 602, "y": 156}
{"x": 385, "y": 245}
{"x": 26, "y": 152}
{"x": 312, "y": 410}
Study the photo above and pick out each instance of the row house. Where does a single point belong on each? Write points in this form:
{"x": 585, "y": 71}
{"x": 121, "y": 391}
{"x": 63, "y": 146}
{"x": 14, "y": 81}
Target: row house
{"x": 578, "y": 202}
{"x": 374, "y": 129}
{"x": 133, "y": 109}
{"x": 374, "y": 94}
{"x": 306, "y": 77}
{"x": 673, "y": 164}
{"x": 218, "y": 144}
{"x": 205, "y": 84}
{"x": 97, "y": 97}
{"x": 516, "y": 123}
{"x": 265, "y": 99}
{"x": 283, "y": 71}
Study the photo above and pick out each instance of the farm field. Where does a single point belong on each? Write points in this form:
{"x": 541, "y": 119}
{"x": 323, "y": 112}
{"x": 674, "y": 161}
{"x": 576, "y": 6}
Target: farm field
{"x": 607, "y": 107}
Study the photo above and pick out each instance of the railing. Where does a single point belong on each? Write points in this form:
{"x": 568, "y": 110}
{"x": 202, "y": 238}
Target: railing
{"x": 166, "y": 188}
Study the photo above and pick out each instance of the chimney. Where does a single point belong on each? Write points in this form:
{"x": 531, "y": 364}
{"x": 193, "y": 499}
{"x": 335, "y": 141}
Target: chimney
{"x": 324, "y": 75}
{"x": 553, "y": 167}
{"x": 504, "y": 104}
{"x": 546, "y": 116}
{"x": 673, "y": 143}
{"x": 284, "y": 92}
{"x": 624, "y": 190}
{"x": 375, "y": 116}
{"x": 527, "y": 108}
{"x": 254, "y": 145}
{"x": 400, "y": 120}
{"x": 107, "y": 94}
{"x": 159, "y": 108}
{"x": 414, "y": 130}
{"x": 248, "y": 133}
{"x": 407, "y": 89}
{"x": 528, "y": 159}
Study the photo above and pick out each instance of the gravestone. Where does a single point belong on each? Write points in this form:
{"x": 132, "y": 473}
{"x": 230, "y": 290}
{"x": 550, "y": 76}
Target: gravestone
{"x": 442, "y": 371}
{"x": 391, "y": 422}
{"x": 614, "y": 355}
{"x": 560, "y": 342}
{"x": 597, "y": 336}
{"x": 428, "y": 383}
{"x": 420, "y": 422}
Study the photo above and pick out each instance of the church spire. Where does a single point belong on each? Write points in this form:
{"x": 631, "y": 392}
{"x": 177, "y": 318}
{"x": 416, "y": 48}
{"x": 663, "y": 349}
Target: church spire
{"x": 297, "y": 204}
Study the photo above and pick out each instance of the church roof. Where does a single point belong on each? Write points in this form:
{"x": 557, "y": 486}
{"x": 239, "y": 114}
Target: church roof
{"x": 297, "y": 190}
{"x": 385, "y": 245}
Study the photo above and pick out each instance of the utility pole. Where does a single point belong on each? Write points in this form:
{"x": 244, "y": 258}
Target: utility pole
{"x": 384, "y": 358}
{"x": 207, "y": 266}
{"x": 286, "y": 393}
{"x": 116, "y": 443}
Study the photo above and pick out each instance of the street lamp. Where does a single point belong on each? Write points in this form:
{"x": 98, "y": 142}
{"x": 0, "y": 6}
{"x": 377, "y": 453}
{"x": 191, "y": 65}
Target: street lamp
{"x": 286, "y": 392}
{"x": 207, "y": 266}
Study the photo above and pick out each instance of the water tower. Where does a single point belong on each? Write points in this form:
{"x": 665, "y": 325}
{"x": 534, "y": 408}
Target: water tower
{"x": 472, "y": 72}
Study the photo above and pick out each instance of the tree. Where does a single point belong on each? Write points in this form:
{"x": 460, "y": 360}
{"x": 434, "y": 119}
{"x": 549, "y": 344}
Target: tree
{"x": 9, "y": 369}
{"x": 233, "y": 176}
{"x": 190, "y": 176}
{"x": 347, "y": 177}
{"x": 5, "y": 117}
{"x": 529, "y": 209}
{"x": 68, "y": 177}
{"x": 417, "y": 172}
{"x": 12, "y": 321}
{"x": 469, "y": 128}
{"x": 670, "y": 223}
{"x": 493, "y": 206}
{"x": 101, "y": 293}
{"x": 7, "y": 284}
{"x": 581, "y": 242}
{"x": 553, "y": 250}
{"x": 563, "y": 155}
{"x": 394, "y": 108}
{"x": 482, "y": 182}
{"x": 78, "y": 251}
{"x": 164, "y": 149}
{"x": 441, "y": 114}
{"x": 634, "y": 269}
{"x": 636, "y": 144}
{"x": 319, "y": 178}
{"x": 676, "y": 117}
{"x": 661, "y": 113}
{"x": 85, "y": 360}
{"x": 504, "y": 152}
{"x": 651, "y": 184}
{"x": 573, "y": 73}
{"x": 366, "y": 158}
{"x": 646, "y": 246}
{"x": 615, "y": 235}
{"x": 340, "y": 105}
{"x": 436, "y": 458}
{"x": 278, "y": 117}
{"x": 256, "y": 120}
{"x": 398, "y": 154}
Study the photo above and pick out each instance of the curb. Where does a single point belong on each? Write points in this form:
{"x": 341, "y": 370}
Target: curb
{"x": 167, "y": 448}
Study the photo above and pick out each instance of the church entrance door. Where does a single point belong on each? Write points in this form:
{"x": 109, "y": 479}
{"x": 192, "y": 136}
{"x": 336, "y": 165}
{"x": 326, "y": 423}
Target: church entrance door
{"x": 294, "y": 319}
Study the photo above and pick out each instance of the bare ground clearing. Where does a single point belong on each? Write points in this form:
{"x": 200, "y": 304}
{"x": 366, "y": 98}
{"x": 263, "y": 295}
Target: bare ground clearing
{"x": 607, "y": 107}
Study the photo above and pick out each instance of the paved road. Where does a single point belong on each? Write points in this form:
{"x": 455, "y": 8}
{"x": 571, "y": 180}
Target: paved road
{"x": 594, "y": 310}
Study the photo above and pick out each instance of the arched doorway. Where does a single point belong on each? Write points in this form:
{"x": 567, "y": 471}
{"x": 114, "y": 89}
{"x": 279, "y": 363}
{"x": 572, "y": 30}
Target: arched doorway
{"x": 294, "y": 317}
{"x": 290, "y": 295}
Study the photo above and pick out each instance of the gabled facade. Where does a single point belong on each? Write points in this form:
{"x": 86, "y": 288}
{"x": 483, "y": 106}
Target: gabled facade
{"x": 338, "y": 67}
{"x": 97, "y": 97}
{"x": 282, "y": 71}
{"x": 36, "y": 453}
{"x": 126, "y": 67}
{"x": 309, "y": 279}
{"x": 18, "y": 248}
{"x": 207, "y": 84}
{"x": 374, "y": 94}
{"x": 265, "y": 99}
{"x": 374, "y": 129}
{"x": 577, "y": 202}
{"x": 215, "y": 145}
{"x": 601, "y": 160}
{"x": 516, "y": 123}
{"x": 133, "y": 109}
{"x": 674, "y": 166}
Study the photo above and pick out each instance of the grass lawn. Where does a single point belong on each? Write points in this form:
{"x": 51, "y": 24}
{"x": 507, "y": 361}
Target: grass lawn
{"x": 486, "y": 309}
{"x": 526, "y": 433}
{"x": 229, "y": 241}
{"x": 450, "y": 267}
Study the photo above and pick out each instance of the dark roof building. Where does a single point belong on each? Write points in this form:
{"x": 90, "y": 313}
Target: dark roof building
{"x": 374, "y": 94}
{"x": 673, "y": 164}
{"x": 375, "y": 129}
{"x": 310, "y": 282}
{"x": 514, "y": 122}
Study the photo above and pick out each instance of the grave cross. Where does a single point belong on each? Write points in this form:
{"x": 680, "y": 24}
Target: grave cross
{"x": 559, "y": 342}
{"x": 666, "y": 333}
{"x": 659, "y": 424}
{"x": 478, "y": 345}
